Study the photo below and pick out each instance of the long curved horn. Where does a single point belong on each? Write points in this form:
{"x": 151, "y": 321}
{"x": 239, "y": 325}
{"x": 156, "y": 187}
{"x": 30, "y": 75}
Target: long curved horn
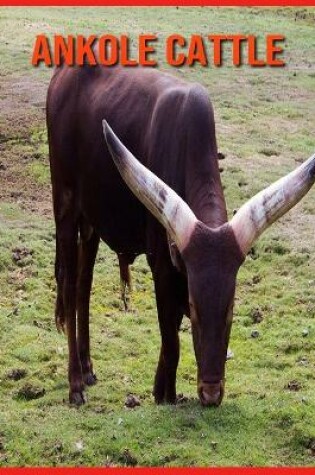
{"x": 271, "y": 203}
{"x": 170, "y": 210}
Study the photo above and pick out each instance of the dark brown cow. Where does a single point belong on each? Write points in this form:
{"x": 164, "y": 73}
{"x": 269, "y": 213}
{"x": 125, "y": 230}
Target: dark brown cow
{"x": 193, "y": 251}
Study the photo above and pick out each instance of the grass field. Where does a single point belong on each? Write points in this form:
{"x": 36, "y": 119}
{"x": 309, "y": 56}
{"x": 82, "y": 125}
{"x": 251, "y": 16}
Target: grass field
{"x": 265, "y": 127}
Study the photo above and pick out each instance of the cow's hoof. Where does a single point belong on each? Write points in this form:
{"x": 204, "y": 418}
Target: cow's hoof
{"x": 77, "y": 398}
{"x": 90, "y": 379}
{"x": 158, "y": 400}
{"x": 158, "y": 395}
{"x": 165, "y": 399}
{"x": 61, "y": 325}
{"x": 171, "y": 400}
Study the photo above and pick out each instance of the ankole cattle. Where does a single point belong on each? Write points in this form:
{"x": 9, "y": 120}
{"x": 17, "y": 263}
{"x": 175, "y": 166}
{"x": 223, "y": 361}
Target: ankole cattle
{"x": 158, "y": 192}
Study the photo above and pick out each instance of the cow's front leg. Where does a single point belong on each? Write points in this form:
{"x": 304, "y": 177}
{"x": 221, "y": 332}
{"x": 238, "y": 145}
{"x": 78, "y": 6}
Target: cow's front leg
{"x": 88, "y": 246}
{"x": 170, "y": 317}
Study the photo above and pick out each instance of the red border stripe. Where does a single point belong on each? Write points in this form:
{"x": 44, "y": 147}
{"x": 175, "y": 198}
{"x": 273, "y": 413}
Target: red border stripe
{"x": 164, "y": 471}
{"x": 113, "y": 3}
{"x": 156, "y": 471}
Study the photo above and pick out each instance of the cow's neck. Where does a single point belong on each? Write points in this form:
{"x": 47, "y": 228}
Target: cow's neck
{"x": 203, "y": 190}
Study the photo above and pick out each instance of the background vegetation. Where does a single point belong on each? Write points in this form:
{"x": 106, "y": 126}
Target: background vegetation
{"x": 265, "y": 127}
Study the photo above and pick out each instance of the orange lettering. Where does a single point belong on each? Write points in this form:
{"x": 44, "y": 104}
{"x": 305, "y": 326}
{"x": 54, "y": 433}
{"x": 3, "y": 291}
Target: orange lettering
{"x": 62, "y": 51}
{"x": 108, "y": 50}
{"x": 145, "y": 50}
{"x": 252, "y": 53}
{"x": 217, "y": 52}
{"x": 124, "y": 55}
{"x": 84, "y": 50}
{"x": 237, "y": 50}
{"x": 273, "y": 50}
{"x": 41, "y": 51}
{"x": 196, "y": 51}
{"x": 172, "y": 58}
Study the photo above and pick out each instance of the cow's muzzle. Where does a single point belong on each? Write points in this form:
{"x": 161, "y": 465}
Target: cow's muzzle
{"x": 211, "y": 394}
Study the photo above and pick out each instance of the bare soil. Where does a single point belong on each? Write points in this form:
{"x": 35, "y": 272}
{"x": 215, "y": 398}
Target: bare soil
{"x": 22, "y": 105}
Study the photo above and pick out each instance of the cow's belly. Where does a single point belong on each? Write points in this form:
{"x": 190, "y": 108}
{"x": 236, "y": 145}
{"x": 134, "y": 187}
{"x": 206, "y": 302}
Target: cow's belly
{"x": 119, "y": 218}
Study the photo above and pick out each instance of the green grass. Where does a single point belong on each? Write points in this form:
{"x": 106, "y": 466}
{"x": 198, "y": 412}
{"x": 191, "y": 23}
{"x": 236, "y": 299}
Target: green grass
{"x": 265, "y": 126}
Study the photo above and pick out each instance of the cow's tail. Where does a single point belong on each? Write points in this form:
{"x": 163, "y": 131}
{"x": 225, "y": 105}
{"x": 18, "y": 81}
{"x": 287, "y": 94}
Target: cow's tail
{"x": 125, "y": 279}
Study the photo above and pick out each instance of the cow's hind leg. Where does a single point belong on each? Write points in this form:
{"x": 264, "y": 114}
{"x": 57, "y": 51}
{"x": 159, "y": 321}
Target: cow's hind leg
{"x": 87, "y": 250}
{"x": 170, "y": 316}
{"x": 67, "y": 236}
{"x": 59, "y": 308}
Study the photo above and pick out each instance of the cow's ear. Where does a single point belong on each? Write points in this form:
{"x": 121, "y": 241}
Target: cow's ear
{"x": 271, "y": 203}
{"x": 176, "y": 258}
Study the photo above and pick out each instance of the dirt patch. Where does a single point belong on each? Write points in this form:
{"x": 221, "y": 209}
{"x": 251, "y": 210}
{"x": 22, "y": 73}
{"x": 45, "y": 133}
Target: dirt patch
{"x": 127, "y": 458}
{"x": 132, "y": 401}
{"x": 22, "y": 105}
{"x": 310, "y": 445}
{"x": 29, "y": 392}
{"x": 256, "y": 315}
{"x": 297, "y": 219}
{"x": 294, "y": 385}
{"x": 16, "y": 374}
{"x": 22, "y": 256}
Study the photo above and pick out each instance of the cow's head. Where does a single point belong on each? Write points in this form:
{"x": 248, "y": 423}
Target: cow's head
{"x": 212, "y": 257}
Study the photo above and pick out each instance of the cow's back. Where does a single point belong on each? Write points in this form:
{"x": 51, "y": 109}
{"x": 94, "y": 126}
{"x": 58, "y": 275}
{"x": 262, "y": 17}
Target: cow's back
{"x": 144, "y": 108}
